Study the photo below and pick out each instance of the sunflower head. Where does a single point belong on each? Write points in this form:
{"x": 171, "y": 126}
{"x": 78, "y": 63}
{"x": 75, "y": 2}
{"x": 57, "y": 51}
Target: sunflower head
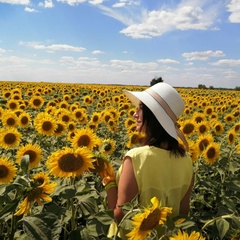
{"x": 7, "y": 171}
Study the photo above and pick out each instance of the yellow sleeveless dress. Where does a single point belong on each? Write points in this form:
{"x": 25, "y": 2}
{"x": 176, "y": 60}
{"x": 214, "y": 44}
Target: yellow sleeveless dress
{"x": 159, "y": 174}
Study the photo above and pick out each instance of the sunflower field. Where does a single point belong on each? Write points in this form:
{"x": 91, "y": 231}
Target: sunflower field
{"x": 55, "y": 138}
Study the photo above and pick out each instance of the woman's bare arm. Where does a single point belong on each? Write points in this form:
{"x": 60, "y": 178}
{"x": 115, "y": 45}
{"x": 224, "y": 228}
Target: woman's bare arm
{"x": 126, "y": 191}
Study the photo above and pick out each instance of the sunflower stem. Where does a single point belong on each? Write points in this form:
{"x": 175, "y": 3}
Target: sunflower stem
{"x": 13, "y": 227}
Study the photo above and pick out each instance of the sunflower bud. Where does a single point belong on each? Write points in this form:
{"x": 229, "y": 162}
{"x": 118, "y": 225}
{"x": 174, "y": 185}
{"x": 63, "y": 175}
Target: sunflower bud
{"x": 25, "y": 163}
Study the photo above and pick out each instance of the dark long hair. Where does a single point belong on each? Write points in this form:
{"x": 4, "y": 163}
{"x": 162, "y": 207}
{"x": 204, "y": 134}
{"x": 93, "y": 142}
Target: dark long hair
{"x": 156, "y": 134}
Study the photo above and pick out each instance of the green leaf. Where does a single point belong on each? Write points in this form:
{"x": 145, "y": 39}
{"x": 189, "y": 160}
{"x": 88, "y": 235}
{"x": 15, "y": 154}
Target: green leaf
{"x": 234, "y": 185}
{"x": 222, "y": 226}
{"x": 66, "y": 192}
{"x": 42, "y": 226}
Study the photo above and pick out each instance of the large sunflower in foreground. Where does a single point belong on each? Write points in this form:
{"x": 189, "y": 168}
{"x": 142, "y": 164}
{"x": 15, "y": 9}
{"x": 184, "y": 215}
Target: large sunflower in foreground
{"x": 70, "y": 162}
{"x": 10, "y": 138}
{"x": 147, "y": 220}
{"x": 7, "y": 171}
{"x": 33, "y": 151}
{"x": 38, "y": 193}
{"x": 184, "y": 236}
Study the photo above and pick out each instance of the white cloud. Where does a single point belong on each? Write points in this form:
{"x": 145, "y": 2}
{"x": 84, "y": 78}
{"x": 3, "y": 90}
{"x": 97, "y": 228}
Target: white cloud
{"x": 46, "y": 4}
{"x": 76, "y": 2}
{"x": 2, "y": 50}
{"x": 203, "y": 56}
{"x": 168, "y": 61}
{"x": 227, "y": 62}
{"x": 53, "y": 47}
{"x": 27, "y": 9}
{"x": 183, "y": 17}
{"x": 97, "y": 52}
{"x": 131, "y": 65}
{"x": 17, "y": 2}
{"x": 234, "y": 8}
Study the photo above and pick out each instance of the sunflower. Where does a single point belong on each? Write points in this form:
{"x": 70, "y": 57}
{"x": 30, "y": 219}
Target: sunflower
{"x": 71, "y": 126}
{"x": 10, "y": 119}
{"x": 24, "y": 119}
{"x": 108, "y": 146}
{"x": 209, "y": 110}
{"x": 231, "y": 136}
{"x": 237, "y": 127}
{"x": 41, "y": 178}
{"x": 218, "y": 127}
{"x": 45, "y": 124}
{"x": 7, "y": 171}
{"x": 84, "y": 137}
{"x": 198, "y": 117}
{"x": 202, "y": 127}
{"x": 193, "y": 150}
{"x": 184, "y": 236}
{"x": 128, "y": 122}
{"x": 188, "y": 127}
{"x": 33, "y": 150}
{"x": 36, "y": 102}
{"x": 12, "y": 104}
{"x": 88, "y": 100}
{"x": 95, "y": 118}
{"x": 144, "y": 222}
{"x": 211, "y": 153}
{"x": 65, "y": 115}
{"x": 203, "y": 141}
{"x": 61, "y": 128}
{"x": 134, "y": 138}
{"x": 79, "y": 114}
{"x": 229, "y": 118}
{"x": 70, "y": 162}
{"x": 36, "y": 193}
{"x": 10, "y": 138}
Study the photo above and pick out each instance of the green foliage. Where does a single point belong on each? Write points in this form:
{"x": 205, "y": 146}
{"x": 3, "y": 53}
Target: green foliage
{"x": 156, "y": 80}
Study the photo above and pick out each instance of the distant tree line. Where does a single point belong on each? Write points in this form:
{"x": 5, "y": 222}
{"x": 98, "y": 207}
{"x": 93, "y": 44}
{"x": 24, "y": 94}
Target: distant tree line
{"x": 200, "y": 86}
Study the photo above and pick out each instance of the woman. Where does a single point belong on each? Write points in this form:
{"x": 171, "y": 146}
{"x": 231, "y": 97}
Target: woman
{"x": 160, "y": 167}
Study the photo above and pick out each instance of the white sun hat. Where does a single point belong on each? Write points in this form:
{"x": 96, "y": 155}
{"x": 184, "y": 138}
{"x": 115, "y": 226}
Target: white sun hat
{"x": 165, "y": 103}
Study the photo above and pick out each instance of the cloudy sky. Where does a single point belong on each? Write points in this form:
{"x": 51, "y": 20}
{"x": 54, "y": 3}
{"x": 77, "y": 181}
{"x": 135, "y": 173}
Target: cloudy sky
{"x": 186, "y": 42}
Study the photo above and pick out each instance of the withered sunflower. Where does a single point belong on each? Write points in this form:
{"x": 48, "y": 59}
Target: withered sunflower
{"x": 147, "y": 220}
{"x": 10, "y": 138}
{"x": 7, "y": 171}
{"x": 33, "y": 150}
{"x": 70, "y": 162}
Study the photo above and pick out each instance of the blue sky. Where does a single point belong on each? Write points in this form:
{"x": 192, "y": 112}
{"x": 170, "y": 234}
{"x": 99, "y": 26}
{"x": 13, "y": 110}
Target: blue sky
{"x": 186, "y": 42}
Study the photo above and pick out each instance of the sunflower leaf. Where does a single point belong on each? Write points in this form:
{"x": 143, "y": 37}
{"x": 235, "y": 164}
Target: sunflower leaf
{"x": 42, "y": 226}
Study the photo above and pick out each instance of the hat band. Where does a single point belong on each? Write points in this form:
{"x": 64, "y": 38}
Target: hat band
{"x": 169, "y": 112}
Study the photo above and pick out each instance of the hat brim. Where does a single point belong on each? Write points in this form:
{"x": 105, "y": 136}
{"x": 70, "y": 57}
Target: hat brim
{"x": 161, "y": 115}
